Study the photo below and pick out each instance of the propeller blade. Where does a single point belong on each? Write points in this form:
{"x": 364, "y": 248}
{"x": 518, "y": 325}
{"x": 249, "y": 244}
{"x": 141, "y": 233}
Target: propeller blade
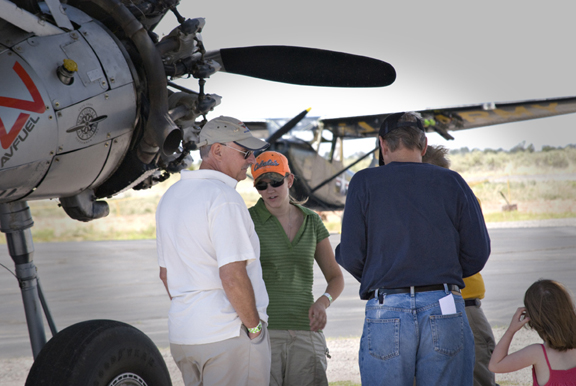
{"x": 287, "y": 127}
{"x": 305, "y": 66}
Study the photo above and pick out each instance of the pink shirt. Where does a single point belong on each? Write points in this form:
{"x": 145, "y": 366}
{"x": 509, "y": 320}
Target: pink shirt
{"x": 557, "y": 377}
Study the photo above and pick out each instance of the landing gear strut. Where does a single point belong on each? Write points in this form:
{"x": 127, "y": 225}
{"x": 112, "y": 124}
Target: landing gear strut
{"x": 15, "y": 222}
{"x": 95, "y": 352}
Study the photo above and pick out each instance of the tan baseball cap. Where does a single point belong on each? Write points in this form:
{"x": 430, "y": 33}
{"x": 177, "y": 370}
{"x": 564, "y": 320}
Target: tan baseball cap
{"x": 227, "y": 129}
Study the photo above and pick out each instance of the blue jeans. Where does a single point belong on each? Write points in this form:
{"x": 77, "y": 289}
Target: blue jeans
{"x": 407, "y": 337}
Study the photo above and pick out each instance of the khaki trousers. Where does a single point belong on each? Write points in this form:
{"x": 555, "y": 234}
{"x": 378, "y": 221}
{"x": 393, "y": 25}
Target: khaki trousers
{"x": 483, "y": 345}
{"x": 232, "y": 362}
{"x": 298, "y": 358}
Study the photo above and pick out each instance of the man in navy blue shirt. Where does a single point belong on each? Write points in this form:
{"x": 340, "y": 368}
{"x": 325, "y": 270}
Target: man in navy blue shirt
{"x": 410, "y": 233}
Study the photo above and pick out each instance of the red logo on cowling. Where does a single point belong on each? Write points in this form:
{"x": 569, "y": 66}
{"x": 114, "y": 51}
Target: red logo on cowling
{"x": 34, "y": 106}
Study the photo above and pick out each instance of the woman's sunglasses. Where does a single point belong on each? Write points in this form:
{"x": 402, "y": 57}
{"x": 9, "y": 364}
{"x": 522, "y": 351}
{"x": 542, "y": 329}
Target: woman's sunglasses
{"x": 262, "y": 185}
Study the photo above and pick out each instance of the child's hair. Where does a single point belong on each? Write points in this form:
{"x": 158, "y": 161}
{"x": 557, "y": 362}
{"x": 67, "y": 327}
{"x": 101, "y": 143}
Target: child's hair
{"x": 437, "y": 155}
{"x": 552, "y": 314}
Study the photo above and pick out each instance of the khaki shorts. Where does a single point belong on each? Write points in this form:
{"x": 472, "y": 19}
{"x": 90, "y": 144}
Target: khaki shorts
{"x": 298, "y": 358}
{"x": 236, "y": 361}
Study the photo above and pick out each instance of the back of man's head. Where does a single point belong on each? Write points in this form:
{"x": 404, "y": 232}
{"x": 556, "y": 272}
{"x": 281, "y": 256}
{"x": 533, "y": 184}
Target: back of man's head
{"x": 404, "y": 129}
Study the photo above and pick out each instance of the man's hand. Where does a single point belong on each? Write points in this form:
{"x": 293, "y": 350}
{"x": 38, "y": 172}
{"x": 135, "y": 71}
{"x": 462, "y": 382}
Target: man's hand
{"x": 254, "y": 335}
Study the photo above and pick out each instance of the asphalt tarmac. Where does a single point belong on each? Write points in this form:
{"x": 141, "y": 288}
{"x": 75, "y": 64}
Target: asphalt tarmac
{"x": 119, "y": 280}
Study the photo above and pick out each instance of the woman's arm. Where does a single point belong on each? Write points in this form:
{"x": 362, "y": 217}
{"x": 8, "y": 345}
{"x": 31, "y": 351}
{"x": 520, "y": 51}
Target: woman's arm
{"x": 501, "y": 362}
{"x": 324, "y": 256}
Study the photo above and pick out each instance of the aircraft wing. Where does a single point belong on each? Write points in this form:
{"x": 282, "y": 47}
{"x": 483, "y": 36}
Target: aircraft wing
{"x": 443, "y": 120}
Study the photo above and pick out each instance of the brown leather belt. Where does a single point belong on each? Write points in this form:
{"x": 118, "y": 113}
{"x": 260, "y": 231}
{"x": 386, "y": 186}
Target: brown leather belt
{"x": 422, "y": 288}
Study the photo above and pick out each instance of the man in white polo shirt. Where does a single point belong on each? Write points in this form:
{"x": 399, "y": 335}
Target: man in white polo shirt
{"x": 209, "y": 257}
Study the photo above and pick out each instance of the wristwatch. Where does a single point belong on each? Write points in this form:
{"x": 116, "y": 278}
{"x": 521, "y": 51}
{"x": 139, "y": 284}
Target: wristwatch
{"x": 256, "y": 329}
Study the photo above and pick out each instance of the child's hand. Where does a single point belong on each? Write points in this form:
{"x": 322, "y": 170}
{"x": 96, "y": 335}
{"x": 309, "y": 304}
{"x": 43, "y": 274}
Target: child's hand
{"x": 519, "y": 319}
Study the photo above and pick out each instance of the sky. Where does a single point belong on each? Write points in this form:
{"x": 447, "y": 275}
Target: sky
{"x": 445, "y": 53}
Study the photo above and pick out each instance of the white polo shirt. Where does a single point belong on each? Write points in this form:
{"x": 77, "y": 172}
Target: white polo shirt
{"x": 202, "y": 223}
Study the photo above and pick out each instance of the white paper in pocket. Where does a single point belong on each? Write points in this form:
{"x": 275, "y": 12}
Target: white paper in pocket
{"x": 447, "y": 305}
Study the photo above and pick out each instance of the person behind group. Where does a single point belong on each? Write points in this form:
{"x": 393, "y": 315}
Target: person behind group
{"x": 473, "y": 291}
{"x": 208, "y": 253}
{"x": 548, "y": 309}
{"x": 410, "y": 233}
{"x": 291, "y": 238}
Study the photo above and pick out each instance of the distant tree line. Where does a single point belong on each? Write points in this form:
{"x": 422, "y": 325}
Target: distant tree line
{"x": 521, "y": 147}
{"x": 521, "y": 159}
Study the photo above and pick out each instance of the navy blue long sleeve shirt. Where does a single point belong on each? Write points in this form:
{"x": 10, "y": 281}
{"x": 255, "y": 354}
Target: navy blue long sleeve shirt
{"x": 411, "y": 224}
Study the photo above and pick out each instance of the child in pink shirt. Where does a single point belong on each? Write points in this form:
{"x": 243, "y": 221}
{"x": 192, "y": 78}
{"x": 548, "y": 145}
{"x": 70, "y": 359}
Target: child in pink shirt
{"x": 550, "y": 311}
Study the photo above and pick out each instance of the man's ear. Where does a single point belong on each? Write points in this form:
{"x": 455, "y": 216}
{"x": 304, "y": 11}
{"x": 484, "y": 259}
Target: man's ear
{"x": 216, "y": 151}
{"x": 383, "y": 146}
{"x": 425, "y": 148}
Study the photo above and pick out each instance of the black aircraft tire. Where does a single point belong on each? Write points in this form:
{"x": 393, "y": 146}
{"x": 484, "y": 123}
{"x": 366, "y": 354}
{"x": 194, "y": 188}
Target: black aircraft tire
{"x": 99, "y": 353}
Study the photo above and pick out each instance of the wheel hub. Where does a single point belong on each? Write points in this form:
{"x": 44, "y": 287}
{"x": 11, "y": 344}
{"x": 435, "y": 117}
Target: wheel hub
{"x": 127, "y": 379}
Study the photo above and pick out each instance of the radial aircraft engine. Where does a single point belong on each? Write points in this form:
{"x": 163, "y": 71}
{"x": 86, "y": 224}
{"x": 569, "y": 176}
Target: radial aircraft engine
{"x": 88, "y": 109}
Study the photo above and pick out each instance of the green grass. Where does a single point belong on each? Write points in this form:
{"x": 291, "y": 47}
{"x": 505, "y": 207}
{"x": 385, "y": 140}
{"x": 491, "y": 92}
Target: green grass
{"x": 134, "y": 220}
{"x": 520, "y": 162}
{"x": 525, "y": 190}
{"x": 524, "y": 216}
{"x": 333, "y": 226}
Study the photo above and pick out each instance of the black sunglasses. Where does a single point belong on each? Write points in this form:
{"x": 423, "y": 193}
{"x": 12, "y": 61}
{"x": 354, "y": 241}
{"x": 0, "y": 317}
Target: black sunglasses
{"x": 263, "y": 185}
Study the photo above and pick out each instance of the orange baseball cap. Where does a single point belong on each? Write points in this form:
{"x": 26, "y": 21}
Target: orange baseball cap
{"x": 270, "y": 162}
